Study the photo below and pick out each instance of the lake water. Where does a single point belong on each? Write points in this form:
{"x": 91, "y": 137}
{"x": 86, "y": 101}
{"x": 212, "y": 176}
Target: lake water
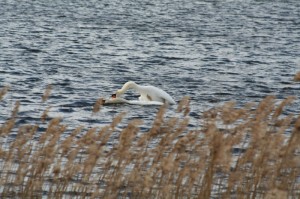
{"x": 212, "y": 51}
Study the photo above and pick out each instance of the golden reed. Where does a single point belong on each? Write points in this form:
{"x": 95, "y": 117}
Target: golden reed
{"x": 248, "y": 152}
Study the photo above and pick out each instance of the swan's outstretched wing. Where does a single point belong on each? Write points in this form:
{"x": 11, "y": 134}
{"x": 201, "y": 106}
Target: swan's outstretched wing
{"x": 116, "y": 101}
{"x": 132, "y": 102}
{"x": 144, "y": 103}
{"x": 149, "y": 98}
{"x": 157, "y": 94}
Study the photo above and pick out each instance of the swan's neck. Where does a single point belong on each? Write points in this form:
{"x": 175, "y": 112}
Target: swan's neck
{"x": 130, "y": 85}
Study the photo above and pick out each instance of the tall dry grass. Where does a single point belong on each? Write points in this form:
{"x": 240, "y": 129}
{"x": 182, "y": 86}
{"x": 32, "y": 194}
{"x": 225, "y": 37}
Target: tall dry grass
{"x": 248, "y": 152}
{"x": 297, "y": 76}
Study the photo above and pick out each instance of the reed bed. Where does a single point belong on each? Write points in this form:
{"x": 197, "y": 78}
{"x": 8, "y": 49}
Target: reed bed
{"x": 247, "y": 152}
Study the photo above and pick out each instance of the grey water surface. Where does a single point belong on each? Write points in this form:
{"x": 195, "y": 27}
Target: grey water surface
{"x": 213, "y": 51}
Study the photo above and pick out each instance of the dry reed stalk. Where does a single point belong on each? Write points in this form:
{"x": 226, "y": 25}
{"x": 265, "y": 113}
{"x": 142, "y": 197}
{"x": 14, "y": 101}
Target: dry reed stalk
{"x": 184, "y": 105}
{"x": 214, "y": 139}
{"x": 93, "y": 154}
{"x": 88, "y": 138}
{"x": 283, "y": 104}
{"x": 297, "y": 77}
{"x": 289, "y": 162}
{"x": 47, "y": 93}
{"x": 17, "y": 157}
{"x": 117, "y": 120}
{"x": 294, "y": 137}
{"x": 264, "y": 108}
{"x": 265, "y": 153}
{"x": 44, "y": 116}
{"x": 276, "y": 193}
{"x": 69, "y": 141}
{"x": 3, "y": 91}
{"x": 98, "y": 104}
{"x": 43, "y": 158}
{"x": 123, "y": 156}
{"x": 229, "y": 114}
{"x": 145, "y": 154}
{"x": 7, "y": 127}
{"x": 53, "y": 125}
{"x": 155, "y": 129}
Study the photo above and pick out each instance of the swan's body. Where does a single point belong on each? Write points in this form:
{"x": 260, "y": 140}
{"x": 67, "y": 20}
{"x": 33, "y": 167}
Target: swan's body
{"x": 132, "y": 102}
{"x": 148, "y": 93}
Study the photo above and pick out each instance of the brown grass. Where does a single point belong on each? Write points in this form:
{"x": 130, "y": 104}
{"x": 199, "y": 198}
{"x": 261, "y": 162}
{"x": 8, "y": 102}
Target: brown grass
{"x": 297, "y": 77}
{"x": 248, "y": 152}
{"x": 47, "y": 93}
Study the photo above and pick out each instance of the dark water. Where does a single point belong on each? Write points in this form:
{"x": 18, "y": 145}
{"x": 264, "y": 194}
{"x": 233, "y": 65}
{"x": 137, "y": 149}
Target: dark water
{"x": 212, "y": 51}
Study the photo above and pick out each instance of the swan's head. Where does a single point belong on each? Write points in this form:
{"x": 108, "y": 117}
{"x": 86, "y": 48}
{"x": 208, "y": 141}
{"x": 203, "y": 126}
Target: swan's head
{"x": 126, "y": 86}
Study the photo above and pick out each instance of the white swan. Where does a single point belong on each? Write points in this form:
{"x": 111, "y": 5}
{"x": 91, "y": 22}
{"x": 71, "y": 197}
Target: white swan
{"x": 148, "y": 93}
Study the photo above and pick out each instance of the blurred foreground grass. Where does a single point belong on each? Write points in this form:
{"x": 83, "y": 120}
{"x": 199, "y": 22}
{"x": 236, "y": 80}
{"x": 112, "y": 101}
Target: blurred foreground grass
{"x": 249, "y": 152}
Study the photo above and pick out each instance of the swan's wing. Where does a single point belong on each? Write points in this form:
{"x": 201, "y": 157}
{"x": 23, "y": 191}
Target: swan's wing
{"x": 158, "y": 94}
{"x": 132, "y": 102}
{"x": 163, "y": 100}
{"x": 149, "y": 97}
{"x": 144, "y": 103}
{"x": 116, "y": 101}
